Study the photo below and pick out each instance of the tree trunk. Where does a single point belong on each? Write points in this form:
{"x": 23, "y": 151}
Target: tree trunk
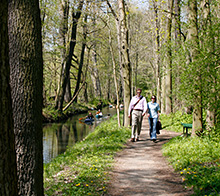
{"x": 163, "y": 94}
{"x": 176, "y": 77}
{"x": 192, "y": 39}
{"x": 121, "y": 83}
{"x": 95, "y": 71}
{"x": 65, "y": 72}
{"x": 26, "y": 74}
{"x": 64, "y": 4}
{"x": 67, "y": 96}
{"x": 169, "y": 61}
{"x": 177, "y": 22}
{"x": 81, "y": 59}
{"x": 115, "y": 78}
{"x": 207, "y": 28}
{"x": 95, "y": 75}
{"x": 126, "y": 65}
{"x": 8, "y": 167}
{"x": 158, "y": 76}
{"x": 86, "y": 94}
{"x": 85, "y": 87}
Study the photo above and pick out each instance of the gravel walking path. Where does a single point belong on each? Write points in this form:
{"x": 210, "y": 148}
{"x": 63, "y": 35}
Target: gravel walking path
{"x": 141, "y": 170}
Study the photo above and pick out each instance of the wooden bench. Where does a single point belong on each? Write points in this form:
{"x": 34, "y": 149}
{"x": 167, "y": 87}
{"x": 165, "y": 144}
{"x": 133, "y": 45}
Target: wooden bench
{"x": 186, "y": 126}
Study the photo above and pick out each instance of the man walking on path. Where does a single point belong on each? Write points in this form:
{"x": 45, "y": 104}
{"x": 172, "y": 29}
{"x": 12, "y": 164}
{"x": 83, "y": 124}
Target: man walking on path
{"x": 136, "y": 111}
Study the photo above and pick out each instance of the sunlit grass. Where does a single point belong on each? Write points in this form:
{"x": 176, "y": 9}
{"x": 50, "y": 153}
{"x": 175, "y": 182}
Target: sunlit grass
{"x": 83, "y": 169}
{"x": 197, "y": 159}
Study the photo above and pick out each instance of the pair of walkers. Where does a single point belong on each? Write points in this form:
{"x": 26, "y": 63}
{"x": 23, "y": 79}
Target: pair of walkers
{"x": 137, "y": 109}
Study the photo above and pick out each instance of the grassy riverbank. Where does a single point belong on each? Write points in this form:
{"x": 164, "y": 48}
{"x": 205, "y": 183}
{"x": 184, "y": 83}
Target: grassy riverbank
{"x": 196, "y": 158}
{"x": 83, "y": 169}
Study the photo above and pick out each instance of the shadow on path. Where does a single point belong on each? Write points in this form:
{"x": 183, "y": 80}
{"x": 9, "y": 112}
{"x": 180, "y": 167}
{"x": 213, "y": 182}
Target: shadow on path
{"x": 141, "y": 170}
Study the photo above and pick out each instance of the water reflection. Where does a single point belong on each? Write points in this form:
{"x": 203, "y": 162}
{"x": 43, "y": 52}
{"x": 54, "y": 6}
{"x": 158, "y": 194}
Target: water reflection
{"x": 57, "y": 136}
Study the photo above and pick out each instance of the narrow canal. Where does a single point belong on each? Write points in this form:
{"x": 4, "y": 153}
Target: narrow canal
{"x": 57, "y": 136}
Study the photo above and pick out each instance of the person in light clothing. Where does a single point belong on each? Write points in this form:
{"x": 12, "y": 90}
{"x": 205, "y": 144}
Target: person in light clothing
{"x": 153, "y": 116}
{"x": 136, "y": 111}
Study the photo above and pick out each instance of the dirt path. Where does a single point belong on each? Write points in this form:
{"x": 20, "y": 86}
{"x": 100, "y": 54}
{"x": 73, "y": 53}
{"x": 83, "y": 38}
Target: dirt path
{"x": 141, "y": 170}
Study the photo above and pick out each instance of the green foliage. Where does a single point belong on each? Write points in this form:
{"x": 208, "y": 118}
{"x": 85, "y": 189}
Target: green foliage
{"x": 52, "y": 115}
{"x": 83, "y": 169}
{"x": 173, "y": 121}
{"x": 96, "y": 101}
{"x": 197, "y": 160}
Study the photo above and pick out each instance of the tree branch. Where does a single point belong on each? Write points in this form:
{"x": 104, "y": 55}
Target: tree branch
{"x": 72, "y": 100}
{"x": 113, "y": 12}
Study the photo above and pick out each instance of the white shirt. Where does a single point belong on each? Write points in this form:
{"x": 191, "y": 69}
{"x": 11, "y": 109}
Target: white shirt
{"x": 142, "y": 104}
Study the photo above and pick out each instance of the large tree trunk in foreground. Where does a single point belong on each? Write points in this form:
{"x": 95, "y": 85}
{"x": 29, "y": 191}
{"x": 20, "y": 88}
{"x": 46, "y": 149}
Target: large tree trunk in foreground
{"x": 126, "y": 65}
{"x": 26, "y": 64}
{"x": 8, "y": 167}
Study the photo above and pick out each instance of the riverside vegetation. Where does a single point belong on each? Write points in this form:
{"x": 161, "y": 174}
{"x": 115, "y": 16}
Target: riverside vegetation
{"x": 196, "y": 158}
{"x": 83, "y": 168}
{"x": 52, "y": 115}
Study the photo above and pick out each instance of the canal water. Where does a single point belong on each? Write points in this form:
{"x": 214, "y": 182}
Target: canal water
{"x": 57, "y": 136}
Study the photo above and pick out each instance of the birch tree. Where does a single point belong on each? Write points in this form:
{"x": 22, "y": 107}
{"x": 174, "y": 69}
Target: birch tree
{"x": 126, "y": 66}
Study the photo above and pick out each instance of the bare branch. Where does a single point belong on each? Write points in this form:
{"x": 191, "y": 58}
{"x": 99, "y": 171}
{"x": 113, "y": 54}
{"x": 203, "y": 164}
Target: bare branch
{"x": 113, "y": 12}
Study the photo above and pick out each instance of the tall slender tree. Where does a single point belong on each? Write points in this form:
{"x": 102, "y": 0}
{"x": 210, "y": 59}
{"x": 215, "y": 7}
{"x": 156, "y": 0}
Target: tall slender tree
{"x": 81, "y": 63}
{"x": 65, "y": 72}
{"x": 126, "y": 65}
{"x": 193, "y": 43}
{"x": 26, "y": 74}
{"x": 64, "y": 6}
{"x": 157, "y": 52}
{"x": 114, "y": 75}
{"x": 8, "y": 167}
{"x": 169, "y": 60}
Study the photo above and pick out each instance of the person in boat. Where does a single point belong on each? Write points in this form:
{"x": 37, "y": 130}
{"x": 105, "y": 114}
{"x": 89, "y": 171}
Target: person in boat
{"x": 90, "y": 116}
{"x": 99, "y": 113}
{"x": 110, "y": 105}
{"x": 99, "y": 106}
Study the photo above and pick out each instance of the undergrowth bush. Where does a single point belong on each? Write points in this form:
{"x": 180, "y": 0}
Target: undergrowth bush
{"x": 173, "y": 121}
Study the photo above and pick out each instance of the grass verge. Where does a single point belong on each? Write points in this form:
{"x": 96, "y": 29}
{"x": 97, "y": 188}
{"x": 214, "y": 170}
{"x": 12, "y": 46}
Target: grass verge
{"x": 197, "y": 160}
{"x": 83, "y": 169}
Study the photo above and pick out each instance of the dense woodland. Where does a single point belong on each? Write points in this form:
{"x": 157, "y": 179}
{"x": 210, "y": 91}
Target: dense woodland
{"x": 54, "y": 53}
